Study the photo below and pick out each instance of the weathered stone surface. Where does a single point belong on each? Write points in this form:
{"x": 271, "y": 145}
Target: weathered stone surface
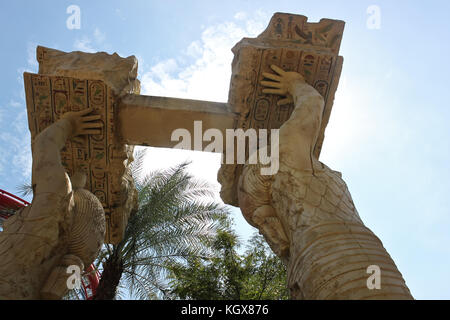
{"x": 150, "y": 121}
{"x": 120, "y": 74}
{"x": 304, "y": 210}
{"x": 293, "y": 44}
{"x": 64, "y": 227}
{"x": 76, "y": 81}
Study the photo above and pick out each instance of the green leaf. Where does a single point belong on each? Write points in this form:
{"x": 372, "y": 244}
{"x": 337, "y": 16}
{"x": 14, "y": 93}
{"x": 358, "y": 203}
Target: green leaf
{"x": 176, "y": 222}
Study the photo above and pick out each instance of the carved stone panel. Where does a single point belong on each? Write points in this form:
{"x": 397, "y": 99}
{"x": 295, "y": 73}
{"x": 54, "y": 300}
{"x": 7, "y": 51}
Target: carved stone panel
{"x": 293, "y": 44}
{"x": 101, "y": 157}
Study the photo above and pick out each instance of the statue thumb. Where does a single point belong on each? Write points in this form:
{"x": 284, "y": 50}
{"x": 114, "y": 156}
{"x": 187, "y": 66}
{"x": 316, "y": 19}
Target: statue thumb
{"x": 78, "y": 180}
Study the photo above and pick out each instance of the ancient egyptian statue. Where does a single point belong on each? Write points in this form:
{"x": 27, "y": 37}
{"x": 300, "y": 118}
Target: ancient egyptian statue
{"x": 306, "y": 213}
{"x": 74, "y": 160}
{"x": 284, "y": 79}
{"x": 64, "y": 226}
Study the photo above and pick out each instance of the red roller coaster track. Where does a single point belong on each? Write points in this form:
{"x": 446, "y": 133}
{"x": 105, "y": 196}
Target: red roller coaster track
{"x": 11, "y": 203}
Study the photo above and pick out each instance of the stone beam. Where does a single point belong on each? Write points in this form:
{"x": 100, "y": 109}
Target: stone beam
{"x": 150, "y": 120}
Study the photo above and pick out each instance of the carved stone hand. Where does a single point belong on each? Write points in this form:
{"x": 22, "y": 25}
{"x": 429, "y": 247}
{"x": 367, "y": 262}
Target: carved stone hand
{"x": 306, "y": 212}
{"x": 283, "y": 83}
{"x": 81, "y": 123}
{"x": 64, "y": 225}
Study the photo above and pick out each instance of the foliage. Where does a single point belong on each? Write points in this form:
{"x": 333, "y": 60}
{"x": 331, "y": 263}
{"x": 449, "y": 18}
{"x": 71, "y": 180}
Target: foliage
{"x": 256, "y": 275}
{"x": 176, "y": 219}
{"x": 25, "y": 189}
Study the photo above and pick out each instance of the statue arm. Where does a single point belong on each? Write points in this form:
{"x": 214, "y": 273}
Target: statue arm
{"x": 48, "y": 174}
{"x": 298, "y": 135}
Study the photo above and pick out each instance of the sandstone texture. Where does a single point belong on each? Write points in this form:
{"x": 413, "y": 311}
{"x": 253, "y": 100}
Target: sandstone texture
{"x": 75, "y": 81}
{"x": 293, "y": 44}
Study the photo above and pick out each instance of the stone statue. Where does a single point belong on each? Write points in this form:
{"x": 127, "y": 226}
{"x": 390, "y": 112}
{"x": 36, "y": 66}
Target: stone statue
{"x": 306, "y": 213}
{"x": 304, "y": 210}
{"x": 64, "y": 225}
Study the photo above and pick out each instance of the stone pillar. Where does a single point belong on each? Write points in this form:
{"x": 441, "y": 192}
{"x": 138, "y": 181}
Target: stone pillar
{"x": 293, "y": 44}
{"x": 75, "y": 81}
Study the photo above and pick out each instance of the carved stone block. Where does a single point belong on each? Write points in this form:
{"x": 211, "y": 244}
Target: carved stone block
{"x": 72, "y": 81}
{"x": 293, "y": 44}
{"x": 101, "y": 157}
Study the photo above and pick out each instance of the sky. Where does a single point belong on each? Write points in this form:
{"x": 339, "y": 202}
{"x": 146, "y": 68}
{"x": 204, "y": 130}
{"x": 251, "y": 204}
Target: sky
{"x": 388, "y": 131}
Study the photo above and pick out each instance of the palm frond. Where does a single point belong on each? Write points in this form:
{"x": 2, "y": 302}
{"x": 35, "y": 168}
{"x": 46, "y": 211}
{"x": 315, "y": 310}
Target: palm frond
{"x": 177, "y": 219}
{"x": 137, "y": 166}
{"x": 25, "y": 189}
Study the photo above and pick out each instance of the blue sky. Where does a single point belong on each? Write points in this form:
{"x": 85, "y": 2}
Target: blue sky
{"x": 388, "y": 132}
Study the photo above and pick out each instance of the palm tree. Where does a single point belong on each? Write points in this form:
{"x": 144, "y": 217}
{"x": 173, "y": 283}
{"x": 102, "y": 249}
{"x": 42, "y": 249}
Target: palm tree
{"x": 176, "y": 219}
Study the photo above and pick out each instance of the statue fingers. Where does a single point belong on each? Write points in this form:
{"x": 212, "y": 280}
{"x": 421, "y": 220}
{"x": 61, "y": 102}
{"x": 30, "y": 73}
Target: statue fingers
{"x": 91, "y": 131}
{"x": 285, "y": 101}
{"x": 89, "y": 125}
{"x": 78, "y": 140}
{"x": 271, "y": 84}
{"x": 278, "y": 70}
{"x": 85, "y": 111}
{"x": 92, "y": 118}
{"x": 274, "y": 91}
{"x": 271, "y": 76}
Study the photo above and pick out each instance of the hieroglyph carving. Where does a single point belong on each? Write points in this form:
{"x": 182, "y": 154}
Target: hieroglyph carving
{"x": 306, "y": 212}
{"x": 74, "y": 81}
{"x": 99, "y": 156}
{"x": 63, "y": 227}
{"x": 295, "y": 45}
{"x": 286, "y": 78}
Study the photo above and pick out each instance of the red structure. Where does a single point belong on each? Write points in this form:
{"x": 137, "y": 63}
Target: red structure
{"x": 90, "y": 281}
{"x": 9, "y": 203}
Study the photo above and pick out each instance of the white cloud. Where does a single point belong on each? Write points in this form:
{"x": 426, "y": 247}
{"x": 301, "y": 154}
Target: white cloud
{"x": 207, "y": 76}
{"x": 350, "y": 124}
{"x": 83, "y": 44}
{"x": 15, "y": 139}
{"x": 18, "y": 151}
{"x": 31, "y": 65}
{"x": 31, "y": 55}
{"x": 90, "y": 43}
{"x": 240, "y": 15}
{"x": 195, "y": 49}
{"x": 14, "y": 103}
{"x": 99, "y": 36}
{"x": 120, "y": 14}
{"x": 20, "y": 123}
